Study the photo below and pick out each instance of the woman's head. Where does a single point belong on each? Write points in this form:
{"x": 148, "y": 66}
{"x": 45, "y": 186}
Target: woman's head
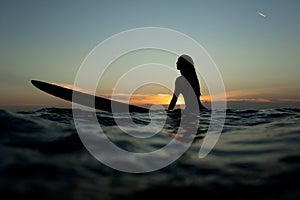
{"x": 186, "y": 66}
{"x": 184, "y": 62}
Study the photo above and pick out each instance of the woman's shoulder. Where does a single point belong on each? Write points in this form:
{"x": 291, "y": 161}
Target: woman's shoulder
{"x": 181, "y": 82}
{"x": 180, "y": 78}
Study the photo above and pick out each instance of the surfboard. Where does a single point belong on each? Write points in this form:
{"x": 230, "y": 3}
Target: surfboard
{"x": 85, "y": 99}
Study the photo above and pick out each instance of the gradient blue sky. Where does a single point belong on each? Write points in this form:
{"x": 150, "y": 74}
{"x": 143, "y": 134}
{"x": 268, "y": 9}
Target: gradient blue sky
{"x": 258, "y": 56}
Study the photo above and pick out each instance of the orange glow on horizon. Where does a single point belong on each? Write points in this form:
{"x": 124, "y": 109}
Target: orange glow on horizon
{"x": 144, "y": 99}
{"x": 263, "y": 95}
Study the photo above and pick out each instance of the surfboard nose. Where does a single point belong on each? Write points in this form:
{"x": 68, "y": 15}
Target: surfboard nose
{"x": 34, "y": 82}
{"x": 37, "y": 84}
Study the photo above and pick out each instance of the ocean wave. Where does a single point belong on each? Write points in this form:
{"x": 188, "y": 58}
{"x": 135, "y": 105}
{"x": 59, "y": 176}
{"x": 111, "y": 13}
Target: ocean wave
{"x": 43, "y": 157}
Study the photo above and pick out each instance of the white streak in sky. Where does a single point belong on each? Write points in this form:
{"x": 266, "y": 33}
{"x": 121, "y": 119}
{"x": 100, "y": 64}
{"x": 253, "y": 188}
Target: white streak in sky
{"x": 261, "y": 14}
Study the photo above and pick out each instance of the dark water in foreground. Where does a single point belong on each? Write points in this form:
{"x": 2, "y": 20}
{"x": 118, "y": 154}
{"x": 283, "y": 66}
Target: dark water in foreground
{"x": 256, "y": 157}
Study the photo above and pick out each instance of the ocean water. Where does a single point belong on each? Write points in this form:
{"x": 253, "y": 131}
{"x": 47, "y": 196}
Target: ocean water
{"x": 256, "y": 157}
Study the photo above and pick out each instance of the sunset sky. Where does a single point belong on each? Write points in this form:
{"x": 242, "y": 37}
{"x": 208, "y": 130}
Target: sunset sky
{"x": 255, "y": 44}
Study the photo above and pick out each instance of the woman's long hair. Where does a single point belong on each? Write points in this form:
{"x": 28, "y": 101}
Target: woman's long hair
{"x": 188, "y": 71}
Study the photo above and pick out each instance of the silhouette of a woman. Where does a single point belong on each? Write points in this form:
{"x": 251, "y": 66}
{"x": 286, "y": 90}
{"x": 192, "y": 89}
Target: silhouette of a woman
{"x": 187, "y": 84}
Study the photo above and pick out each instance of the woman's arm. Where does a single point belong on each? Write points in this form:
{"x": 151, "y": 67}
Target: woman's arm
{"x": 176, "y": 93}
{"x": 173, "y": 102}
